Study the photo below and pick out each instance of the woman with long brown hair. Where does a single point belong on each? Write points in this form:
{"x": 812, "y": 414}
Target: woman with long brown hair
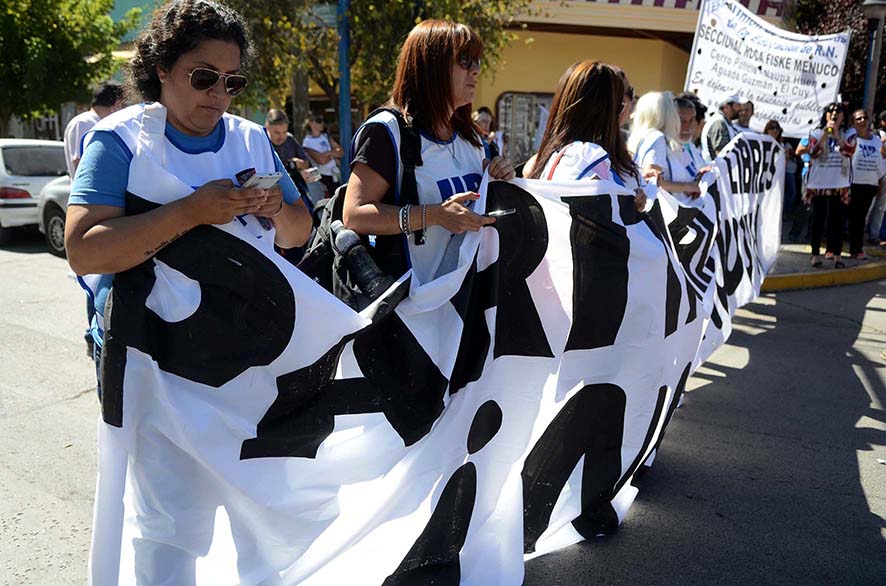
{"x": 582, "y": 139}
{"x": 435, "y": 84}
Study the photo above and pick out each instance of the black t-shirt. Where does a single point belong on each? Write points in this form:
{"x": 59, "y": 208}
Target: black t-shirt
{"x": 375, "y": 149}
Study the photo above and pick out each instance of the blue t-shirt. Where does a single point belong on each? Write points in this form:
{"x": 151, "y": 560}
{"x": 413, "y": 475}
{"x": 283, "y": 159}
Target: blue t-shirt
{"x": 103, "y": 172}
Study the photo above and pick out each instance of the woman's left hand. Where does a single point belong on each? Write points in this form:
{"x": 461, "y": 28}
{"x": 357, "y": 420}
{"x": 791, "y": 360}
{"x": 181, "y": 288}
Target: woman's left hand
{"x": 499, "y": 168}
{"x": 273, "y": 204}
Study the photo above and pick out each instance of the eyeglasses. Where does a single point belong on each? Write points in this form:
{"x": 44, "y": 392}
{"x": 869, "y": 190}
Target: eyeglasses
{"x": 203, "y": 79}
{"x": 833, "y": 110}
{"x": 467, "y": 62}
{"x": 861, "y": 118}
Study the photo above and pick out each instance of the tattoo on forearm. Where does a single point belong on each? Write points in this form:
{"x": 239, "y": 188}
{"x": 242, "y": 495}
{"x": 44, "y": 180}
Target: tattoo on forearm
{"x": 159, "y": 247}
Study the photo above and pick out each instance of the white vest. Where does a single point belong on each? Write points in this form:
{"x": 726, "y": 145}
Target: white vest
{"x": 161, "y": 173}
{"x": 832, "y": 169}
{"x": 447, "y": 168}
{"x": 867, "y": 163}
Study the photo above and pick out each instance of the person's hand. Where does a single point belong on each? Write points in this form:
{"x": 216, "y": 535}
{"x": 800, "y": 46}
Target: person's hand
{"x": 219, "y": 202}
{"x": 499, "y": 168}
{"x": 455, "y": 217}
{"x": 273, "y": 203}
{"x": 652, "y": 172}
{"x": 694, "y": 191}
{"x": 300, "y": 164}
{"x": 639, "y": 199}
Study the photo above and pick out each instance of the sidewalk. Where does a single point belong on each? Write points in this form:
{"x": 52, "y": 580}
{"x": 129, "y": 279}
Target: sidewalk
{"x": 792, "y": 269}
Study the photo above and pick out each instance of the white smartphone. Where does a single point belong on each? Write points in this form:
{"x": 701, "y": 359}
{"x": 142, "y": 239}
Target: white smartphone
{"x": 263, "y": 180}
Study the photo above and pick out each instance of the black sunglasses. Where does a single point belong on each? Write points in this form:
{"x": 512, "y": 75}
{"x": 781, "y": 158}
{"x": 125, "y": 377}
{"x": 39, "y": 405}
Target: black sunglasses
{"x": 203, "y": 79}
{"x": 861, "y": 118}
{"x": 834, "y": 109}
{"x": 467, "y": 62}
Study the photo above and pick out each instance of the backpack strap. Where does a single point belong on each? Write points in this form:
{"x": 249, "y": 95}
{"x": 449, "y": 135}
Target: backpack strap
{"x": 410, "y": 158}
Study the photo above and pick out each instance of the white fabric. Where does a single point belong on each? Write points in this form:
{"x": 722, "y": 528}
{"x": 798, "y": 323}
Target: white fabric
{"x": 182, "y": 500}
{"x": 868, "y": 166}
{"x": 74, "y": 132}
{"x": 578, "y": 159}
{"x": 832, "y": 169}
{"x": 447, "y": 168}
{"x": 788, "y": 76}
{"x": 321, "y": 144}
{"x": 652, "y": 149}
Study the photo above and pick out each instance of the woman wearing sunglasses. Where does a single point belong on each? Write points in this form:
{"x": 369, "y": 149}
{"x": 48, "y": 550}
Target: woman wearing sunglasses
{"x": 868, "y": 169}
{"x": 830, "y": 149}
{"x": 152, "y": 179}
{"x": 435, "y": 83}
{"x": 187, "y": 69}
{"x": 583, "y": 139}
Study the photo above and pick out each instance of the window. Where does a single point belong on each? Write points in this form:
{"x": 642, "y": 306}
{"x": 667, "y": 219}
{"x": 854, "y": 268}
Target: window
{"x": 35, "y": 161}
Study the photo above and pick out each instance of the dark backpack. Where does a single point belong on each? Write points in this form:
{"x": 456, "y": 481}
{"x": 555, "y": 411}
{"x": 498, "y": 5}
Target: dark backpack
{"x": 323, "y": 263}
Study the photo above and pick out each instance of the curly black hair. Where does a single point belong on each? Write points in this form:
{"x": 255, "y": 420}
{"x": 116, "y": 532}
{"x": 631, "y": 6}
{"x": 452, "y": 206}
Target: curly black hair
{"x": 177, "y": 28}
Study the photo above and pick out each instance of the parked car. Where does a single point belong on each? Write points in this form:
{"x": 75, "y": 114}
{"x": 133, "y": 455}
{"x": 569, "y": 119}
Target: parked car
{"x": 51, "y": 209}
{"x": 26, "y": 166}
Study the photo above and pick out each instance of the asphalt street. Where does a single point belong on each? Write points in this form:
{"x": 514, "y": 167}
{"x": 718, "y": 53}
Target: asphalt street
{"x": 772, "y": 472}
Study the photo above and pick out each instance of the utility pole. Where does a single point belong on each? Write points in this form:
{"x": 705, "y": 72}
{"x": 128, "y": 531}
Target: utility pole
{"x": 344, "y": 86}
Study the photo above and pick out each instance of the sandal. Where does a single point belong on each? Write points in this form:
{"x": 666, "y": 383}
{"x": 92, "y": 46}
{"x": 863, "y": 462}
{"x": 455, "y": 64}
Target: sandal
{"x": 816, "y": 260}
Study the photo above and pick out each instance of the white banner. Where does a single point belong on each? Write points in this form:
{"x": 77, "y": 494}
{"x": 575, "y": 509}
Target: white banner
{"x": 789, "y": 77}
{"x": 258, "y": 431}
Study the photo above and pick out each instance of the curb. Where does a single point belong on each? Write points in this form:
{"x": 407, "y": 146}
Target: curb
{"x": 825, "y": 278}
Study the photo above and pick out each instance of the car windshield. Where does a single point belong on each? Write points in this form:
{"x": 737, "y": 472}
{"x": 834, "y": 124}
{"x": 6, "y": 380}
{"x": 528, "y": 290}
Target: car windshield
{"x": 35, "y": 161}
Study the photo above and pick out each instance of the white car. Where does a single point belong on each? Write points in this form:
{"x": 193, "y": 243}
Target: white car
{"x": 26, "y": 166}
{"x": 51, "y": 211}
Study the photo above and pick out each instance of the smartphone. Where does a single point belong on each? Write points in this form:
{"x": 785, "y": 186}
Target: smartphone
{"x": 499, "y": 213}
{"x": 263, "y": 180}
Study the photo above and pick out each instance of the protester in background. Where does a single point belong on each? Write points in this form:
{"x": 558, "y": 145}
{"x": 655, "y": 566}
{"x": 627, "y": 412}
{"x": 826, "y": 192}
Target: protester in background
{"x": 176, "y": 72}
{"x": 655, "y": 144}
{"x": 773, "y": 129}
{"x": 719, "y": 130}
{"x": 790, "y": 182}
{"x": 322, "y": 151}
{"x": 449, "y": 54}
{"x": 877, "y": 225}
{"x": 693, "y": 146}
{"x": 868, "y": 168}
{"x": 290, "y": 152}
{"x": 830, "y": 147}
{"x": 482, "y": 118}
{"x": 107, "y": 98}
{"x": 743, "y": 122}
{"x": 803, "y": 209}
{"x": 586, "y": 142}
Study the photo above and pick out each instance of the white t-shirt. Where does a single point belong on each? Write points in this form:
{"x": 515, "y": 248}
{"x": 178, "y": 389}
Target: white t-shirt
{"x": 868, "y": 165}
{"x": 832, "y": 169}
{"x": 652, "y": 150}
{"x": 321, "y": 144}
{"x": 448, "y": 167}
{"x": 74, "y": 133}
{"x": 578, "y": 160}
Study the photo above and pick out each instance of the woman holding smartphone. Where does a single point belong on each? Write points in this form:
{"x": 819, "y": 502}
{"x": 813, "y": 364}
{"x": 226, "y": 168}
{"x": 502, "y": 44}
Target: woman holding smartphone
{"x": 435, "y": 84}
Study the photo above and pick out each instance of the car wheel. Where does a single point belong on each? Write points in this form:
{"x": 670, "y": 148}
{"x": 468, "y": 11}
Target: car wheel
{"x": 54, "y": 224}
{"x": 5, "y": 235}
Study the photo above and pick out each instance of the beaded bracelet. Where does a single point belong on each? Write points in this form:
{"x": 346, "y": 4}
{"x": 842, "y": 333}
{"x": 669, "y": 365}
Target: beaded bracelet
{"x": 404, "y": 219}
{"x": 424, "y": 218}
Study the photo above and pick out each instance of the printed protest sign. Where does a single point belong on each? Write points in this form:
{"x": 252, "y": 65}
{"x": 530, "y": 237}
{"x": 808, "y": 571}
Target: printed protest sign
{"x": 789, "y": 77}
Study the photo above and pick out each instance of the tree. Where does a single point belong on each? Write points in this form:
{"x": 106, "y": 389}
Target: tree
{"x": 823, "y": 17}
{"x": 300, "y": 35}
{"x": 53, "y": 51}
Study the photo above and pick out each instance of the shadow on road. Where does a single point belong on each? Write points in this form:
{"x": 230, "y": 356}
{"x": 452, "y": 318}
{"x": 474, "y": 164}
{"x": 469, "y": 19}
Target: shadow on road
{"x": 763, "y": 475}
{"x": 26, "y": 241}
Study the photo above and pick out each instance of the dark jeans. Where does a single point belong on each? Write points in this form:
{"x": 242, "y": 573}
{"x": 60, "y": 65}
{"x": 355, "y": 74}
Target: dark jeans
{"x": 859, "y": 204}
{"x": 827, "y": 210}
{"x": 790, "y": 196}
{"x": 97, "y": 357}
